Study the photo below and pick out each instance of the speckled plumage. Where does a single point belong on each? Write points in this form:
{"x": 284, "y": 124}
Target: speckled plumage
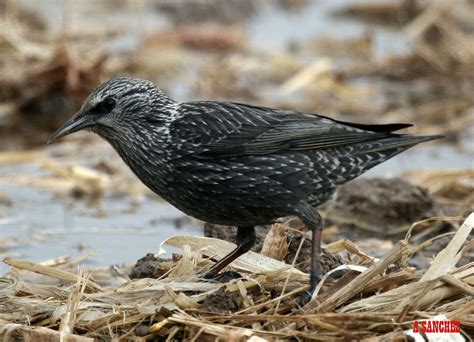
{"x": 230, "y": 163}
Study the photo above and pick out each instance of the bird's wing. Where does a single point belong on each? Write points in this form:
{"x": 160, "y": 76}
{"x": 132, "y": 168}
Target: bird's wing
{"x": 226, "y": 129}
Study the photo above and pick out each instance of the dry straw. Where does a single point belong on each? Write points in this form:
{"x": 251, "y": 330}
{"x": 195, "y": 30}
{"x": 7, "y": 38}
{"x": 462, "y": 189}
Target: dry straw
{"x": 376, "y": 300}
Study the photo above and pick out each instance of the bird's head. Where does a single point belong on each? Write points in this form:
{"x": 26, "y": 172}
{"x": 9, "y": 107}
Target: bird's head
{"x": 118, "y": 107}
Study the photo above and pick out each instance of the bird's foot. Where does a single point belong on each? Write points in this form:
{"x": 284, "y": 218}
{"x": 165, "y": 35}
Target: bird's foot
{"x": 305, "y": 297}
{"x": 222, "y": 277}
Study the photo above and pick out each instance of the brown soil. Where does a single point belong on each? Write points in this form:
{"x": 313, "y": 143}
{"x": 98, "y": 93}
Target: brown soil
{"x": 222, "y": 301}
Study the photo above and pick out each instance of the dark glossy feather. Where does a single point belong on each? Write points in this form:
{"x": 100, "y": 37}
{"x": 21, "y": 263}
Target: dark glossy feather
{"x": 225, "y": 129}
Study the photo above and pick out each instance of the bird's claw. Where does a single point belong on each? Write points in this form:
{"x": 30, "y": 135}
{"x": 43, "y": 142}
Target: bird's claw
{"x": 222, "y": 277}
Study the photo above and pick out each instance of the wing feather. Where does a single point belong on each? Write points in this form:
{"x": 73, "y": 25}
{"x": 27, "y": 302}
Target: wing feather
{"x": 224, "y": 129}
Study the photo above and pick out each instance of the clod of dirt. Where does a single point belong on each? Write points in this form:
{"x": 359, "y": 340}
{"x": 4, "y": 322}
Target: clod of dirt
{"x": 380, "y": 203}
{"x": 145, "y": 267}
{"x": 150, "y": 267}
{"x": 303, "y": 262}
{"x": 222, "y": 301}
{"x": 142, "y": 330}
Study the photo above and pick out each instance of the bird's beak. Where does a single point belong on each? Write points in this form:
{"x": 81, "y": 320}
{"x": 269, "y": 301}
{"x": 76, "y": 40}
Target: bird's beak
{"x": 76, "y": 123}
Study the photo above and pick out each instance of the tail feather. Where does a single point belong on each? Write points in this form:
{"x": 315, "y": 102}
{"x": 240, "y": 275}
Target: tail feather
{"x": 361, "y": 157}
{"x": 398, "y": 142}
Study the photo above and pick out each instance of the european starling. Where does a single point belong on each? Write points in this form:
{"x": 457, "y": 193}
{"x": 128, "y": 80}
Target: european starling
{"x": 231, "y": 163}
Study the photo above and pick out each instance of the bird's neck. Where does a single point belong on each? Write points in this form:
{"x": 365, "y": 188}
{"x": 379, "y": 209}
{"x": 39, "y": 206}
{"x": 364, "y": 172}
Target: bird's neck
{"x": 146, "y": 156}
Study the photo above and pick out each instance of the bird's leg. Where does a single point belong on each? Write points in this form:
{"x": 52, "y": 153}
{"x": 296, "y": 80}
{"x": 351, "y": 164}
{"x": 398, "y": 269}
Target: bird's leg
{"x": 314, "y": 222}
{"x": 245, "y": 240}
{"x": 315, "y": 255}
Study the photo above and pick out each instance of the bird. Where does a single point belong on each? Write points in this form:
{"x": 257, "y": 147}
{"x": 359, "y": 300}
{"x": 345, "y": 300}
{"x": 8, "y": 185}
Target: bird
{"x": 235, "y": 164}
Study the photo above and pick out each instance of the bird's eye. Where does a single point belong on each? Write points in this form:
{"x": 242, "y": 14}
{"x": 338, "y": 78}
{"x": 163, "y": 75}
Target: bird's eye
{"x": 104, "y": 107}
{"x": 107, "y": 105}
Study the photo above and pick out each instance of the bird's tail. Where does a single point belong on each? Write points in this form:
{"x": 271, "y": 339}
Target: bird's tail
{"x": 397, "y": 143}
{"x": 366, "y": 155}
